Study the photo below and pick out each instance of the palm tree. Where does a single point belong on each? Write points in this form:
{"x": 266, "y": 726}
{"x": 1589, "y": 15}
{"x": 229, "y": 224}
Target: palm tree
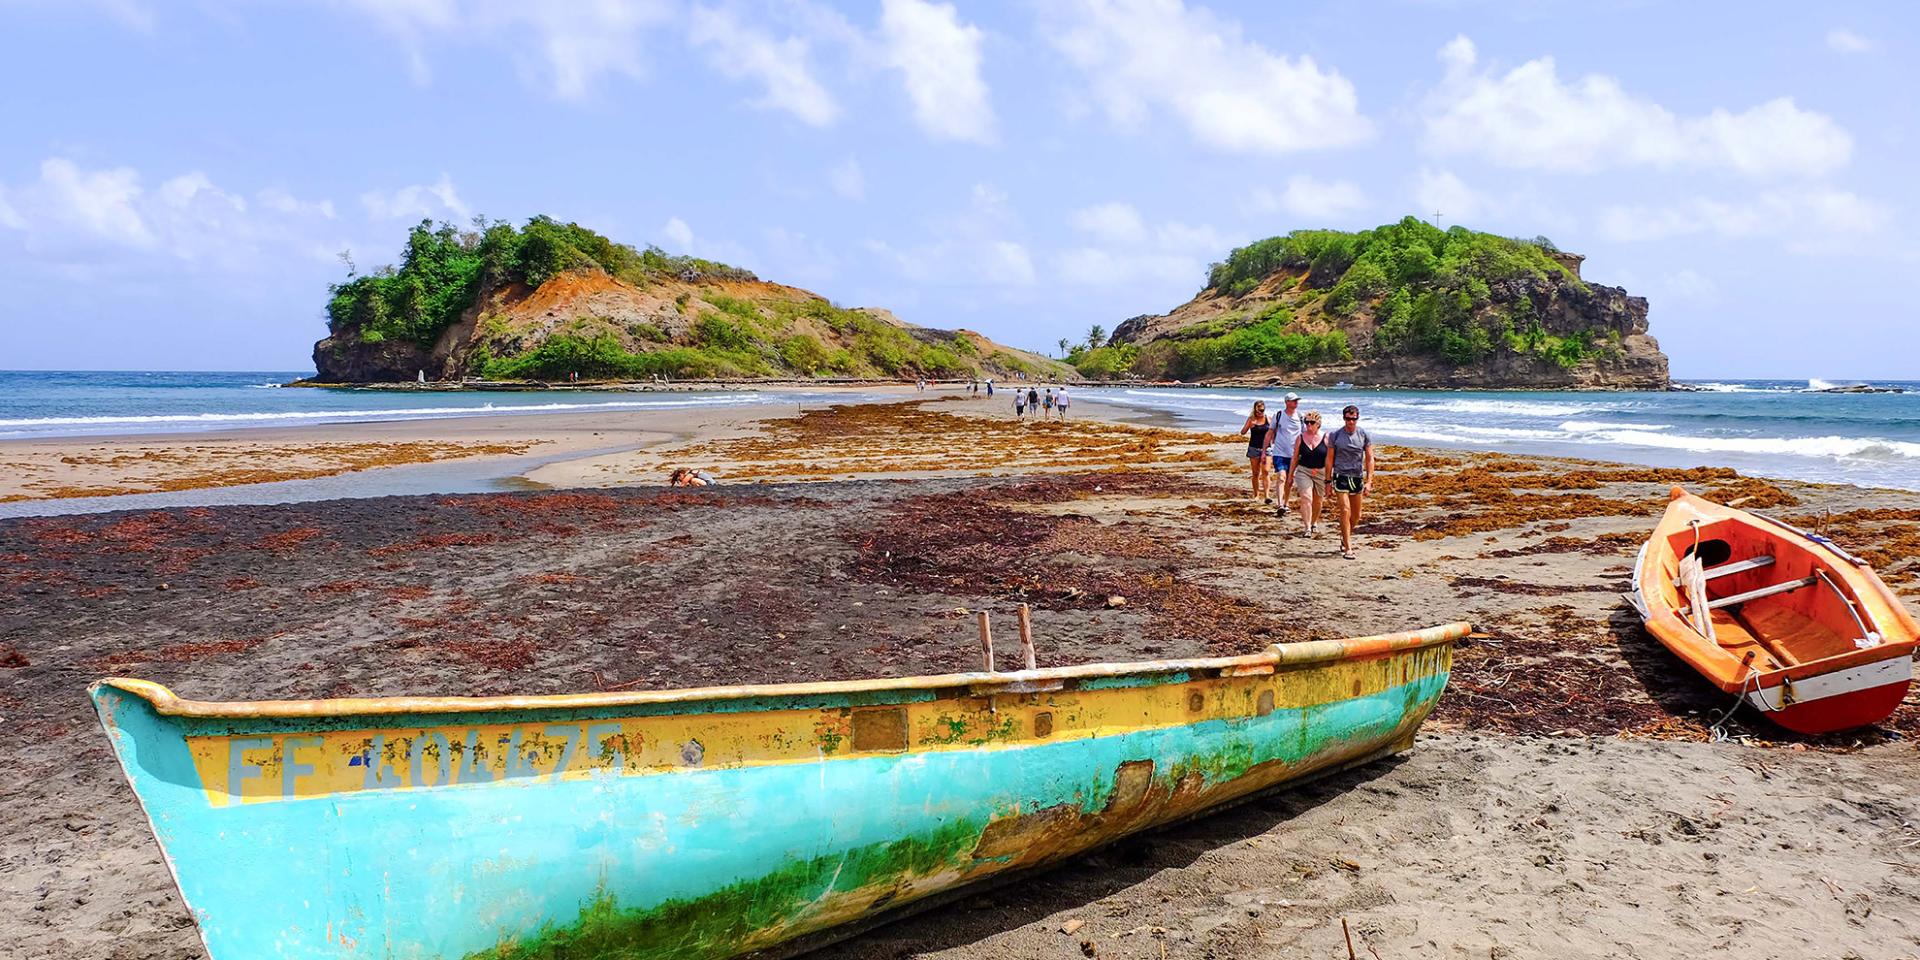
{"x": 1066, "y": 347}
{"x": 1096, "y": 335}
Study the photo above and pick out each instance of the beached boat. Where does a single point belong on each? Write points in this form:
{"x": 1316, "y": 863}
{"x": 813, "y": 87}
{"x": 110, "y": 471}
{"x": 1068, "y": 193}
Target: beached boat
{"x": 1802, "y": 630}
{"x": 714, "y": 822}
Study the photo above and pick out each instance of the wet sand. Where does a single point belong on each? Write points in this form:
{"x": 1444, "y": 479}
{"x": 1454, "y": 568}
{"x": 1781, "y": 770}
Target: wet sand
{"x": 1566, "y": 799}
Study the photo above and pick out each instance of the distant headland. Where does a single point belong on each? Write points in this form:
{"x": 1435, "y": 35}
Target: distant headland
{"x": 1402, "y": 305}
{"x": 554, "y": 301}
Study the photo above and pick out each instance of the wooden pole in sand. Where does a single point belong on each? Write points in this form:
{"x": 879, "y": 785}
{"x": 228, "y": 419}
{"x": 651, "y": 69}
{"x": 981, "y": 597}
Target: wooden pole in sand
{"x": 1026, "y": 637}
{"x": 986, "y": 639}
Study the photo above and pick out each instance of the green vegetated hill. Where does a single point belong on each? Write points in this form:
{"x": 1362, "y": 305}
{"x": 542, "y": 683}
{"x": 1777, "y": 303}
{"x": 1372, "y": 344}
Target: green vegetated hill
{"x": 551, "y": 299}
{"x": 1403, "y": 304}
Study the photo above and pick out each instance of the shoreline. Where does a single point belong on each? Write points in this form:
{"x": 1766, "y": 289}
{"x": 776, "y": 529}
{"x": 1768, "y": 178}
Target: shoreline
{"x": 502, "y": 449}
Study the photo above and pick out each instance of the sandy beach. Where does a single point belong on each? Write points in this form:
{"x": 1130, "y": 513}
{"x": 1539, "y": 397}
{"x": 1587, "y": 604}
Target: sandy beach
{"x": 1568, "y": 798}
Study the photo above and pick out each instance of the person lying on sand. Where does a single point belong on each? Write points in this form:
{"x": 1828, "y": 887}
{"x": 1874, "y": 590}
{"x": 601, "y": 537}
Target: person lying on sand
{"x": 689, "y": 477}
{"x": 1352, "y": 473}
{"x": 1255, "y": 430}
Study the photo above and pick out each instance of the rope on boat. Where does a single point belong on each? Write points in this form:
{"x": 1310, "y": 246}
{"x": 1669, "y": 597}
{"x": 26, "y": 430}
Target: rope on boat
{"x": 1719, "y": 729}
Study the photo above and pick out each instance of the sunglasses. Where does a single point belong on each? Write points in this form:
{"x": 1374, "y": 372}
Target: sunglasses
{"x": 1350, "y": 418}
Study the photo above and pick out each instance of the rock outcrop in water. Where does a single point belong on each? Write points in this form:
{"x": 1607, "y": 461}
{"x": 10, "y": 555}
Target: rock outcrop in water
{"x": 1402, "y": 305}
{"x": 552, "y": 300}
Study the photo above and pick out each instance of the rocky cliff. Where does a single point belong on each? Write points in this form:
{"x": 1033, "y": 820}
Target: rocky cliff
{"x": 552, "y": 300}
{"x": 1402, "y": 305}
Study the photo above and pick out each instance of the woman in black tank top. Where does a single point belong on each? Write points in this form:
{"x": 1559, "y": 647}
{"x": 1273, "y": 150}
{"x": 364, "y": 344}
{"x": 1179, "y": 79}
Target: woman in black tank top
{"x": 1310, "y": 471}
{"x": 1257, "y": 429}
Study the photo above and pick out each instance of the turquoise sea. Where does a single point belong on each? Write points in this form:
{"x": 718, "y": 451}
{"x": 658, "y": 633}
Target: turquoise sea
{"x": 1774, "y": 428}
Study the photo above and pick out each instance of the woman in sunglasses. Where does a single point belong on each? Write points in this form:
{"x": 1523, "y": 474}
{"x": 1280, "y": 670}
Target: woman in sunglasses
{"x": 1352, "y": 473}
{"x": 1307, "y": 470}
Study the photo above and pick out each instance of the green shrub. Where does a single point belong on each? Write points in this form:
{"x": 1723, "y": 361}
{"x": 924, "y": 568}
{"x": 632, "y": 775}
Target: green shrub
{"x": 1107, "y": 363}
{"x": 803, "y": 354}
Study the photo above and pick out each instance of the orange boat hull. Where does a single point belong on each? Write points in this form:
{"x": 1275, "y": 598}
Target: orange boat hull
{"x": 1794, "y": 625}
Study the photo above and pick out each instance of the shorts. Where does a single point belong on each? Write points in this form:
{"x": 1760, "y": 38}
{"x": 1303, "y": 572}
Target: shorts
{"x": 1349, "y": 482}
{"x": 1310, "y": 483}
{"x": 1255, "y": 453}
{"x": 1280, "y": 463}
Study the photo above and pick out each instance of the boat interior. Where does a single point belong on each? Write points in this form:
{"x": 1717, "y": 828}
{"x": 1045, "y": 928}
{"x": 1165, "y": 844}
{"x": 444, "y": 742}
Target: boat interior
{"x": 1767, "y": 595}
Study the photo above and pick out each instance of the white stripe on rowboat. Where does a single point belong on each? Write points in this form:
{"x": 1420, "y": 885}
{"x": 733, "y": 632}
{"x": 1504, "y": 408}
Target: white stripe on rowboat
{"x": 1852, "y": 680}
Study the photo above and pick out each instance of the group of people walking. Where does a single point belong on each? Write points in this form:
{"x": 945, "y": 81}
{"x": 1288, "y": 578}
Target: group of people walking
{"x": 1291, "y": 452}
{"x": 1043, "y": 405}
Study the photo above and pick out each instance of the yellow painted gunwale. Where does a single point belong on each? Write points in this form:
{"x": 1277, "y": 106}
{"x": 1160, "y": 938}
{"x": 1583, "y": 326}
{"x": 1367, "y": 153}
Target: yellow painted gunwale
{"x": 1290, "y": 656}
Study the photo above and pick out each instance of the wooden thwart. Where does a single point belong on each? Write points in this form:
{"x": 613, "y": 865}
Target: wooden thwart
{"x": 1729, "y": 569}
{"x": 1739, "y": 598}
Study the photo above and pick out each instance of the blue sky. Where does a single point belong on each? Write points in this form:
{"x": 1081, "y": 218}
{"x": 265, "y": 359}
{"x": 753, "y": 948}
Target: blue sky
{"x": 177, "y": 177}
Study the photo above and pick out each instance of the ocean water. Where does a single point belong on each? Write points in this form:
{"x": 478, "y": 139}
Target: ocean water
{"x": 1770, "y": 428}
{"x": 71, "y": 403}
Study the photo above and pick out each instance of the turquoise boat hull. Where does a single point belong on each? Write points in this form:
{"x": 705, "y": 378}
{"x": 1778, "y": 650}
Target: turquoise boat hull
{"x": 712, "y": 823}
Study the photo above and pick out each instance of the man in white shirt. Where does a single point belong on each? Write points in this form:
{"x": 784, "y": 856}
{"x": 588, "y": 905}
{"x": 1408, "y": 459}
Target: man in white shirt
{"x": 1286, "y": 430}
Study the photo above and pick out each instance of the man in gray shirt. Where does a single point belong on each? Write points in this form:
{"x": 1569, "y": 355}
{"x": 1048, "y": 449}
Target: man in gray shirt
{"x": 1352, "y": 472}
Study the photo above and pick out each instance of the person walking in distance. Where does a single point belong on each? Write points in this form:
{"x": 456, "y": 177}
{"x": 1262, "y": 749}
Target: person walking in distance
{"x": 1019, "y": 404}
{"x": 1286, "y": 432}
{"x": 1060, "y": 402}
{"x": 1352, "y": 473}
{"x": 1033, "y": 399}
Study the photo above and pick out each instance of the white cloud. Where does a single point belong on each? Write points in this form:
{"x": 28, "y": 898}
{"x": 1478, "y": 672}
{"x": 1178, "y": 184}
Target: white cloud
{"x": 939, "y": 60}
{"x": 1128, "y": 251}
{"x": 98, "y": 203}
{"x": 1529, "y": 118}
{"x": 436, "y": 201}
{"x": 1809, "y": 218}
{"x": 678, "y": 234}
{"x": 1186, "y": 238}
{"x": 1007, "y": 263}
{"x": 743, "y": 52}
{"x": 1842, "y": 40}
{"x": 71, "y": 216}
{"x": 1315, "y": 199}
{"x": 182, "y": 192}
{"x": 1442, "y": 192}
{"x": 847, "y": 179}
{"x": 1114, "y": 223}
{"x": 279, "y": 200}
{"x": 566, "y": 46}
{"x": 1232, "y": 93}
{"x": 976, "y": 246}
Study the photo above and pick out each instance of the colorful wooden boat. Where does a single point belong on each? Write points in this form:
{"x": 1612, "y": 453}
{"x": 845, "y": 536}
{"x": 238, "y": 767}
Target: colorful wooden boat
{"x": 714, "y": 822}
{"x": 1802, "y": 630}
